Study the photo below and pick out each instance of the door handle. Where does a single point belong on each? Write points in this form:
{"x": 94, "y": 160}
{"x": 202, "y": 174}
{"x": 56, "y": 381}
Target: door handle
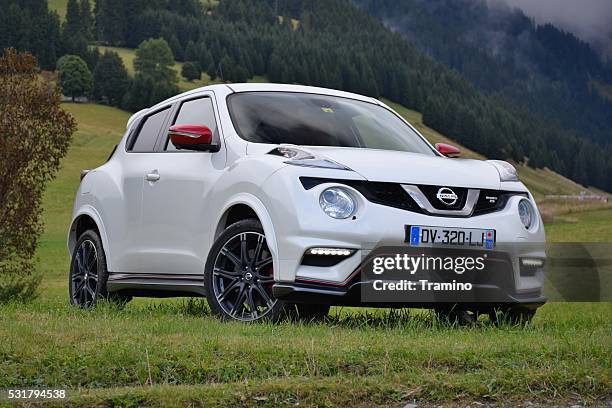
{"x": 153, "y": 176}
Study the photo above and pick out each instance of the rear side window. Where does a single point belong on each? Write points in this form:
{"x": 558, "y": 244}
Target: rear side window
{"x": 149, "y": 130}
{"x": 195, "y": 112}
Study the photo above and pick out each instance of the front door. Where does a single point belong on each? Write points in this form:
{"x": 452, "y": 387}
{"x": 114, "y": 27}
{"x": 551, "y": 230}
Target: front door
{"x": 174, "y": 209}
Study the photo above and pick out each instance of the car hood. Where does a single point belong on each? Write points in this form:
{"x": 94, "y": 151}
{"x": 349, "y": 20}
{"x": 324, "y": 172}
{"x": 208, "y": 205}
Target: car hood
{"x": 413, "y": 168}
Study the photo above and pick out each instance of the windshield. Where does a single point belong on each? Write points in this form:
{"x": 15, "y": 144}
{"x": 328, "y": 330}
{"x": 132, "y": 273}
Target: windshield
{"x": 320, "y": 120}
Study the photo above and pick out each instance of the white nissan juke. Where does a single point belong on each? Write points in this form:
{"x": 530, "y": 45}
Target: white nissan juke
{"x": 267, "y": 198}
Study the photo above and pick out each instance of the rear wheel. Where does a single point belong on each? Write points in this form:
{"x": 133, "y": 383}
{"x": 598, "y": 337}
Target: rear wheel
{"x": 88, "y": 273}
{"x": 239, "y": 275}
{"x": 455, "y": 314}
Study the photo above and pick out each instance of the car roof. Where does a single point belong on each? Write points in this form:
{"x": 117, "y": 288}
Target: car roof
{"x": 256, "y": 87}
{"x": 267, "y": 87}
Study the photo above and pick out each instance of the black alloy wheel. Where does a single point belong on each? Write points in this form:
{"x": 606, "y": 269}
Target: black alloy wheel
{"x": 240, "y": 275}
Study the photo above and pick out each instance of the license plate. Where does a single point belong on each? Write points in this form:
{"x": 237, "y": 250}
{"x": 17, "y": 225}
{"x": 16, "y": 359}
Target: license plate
{"x": 468, "y": 237}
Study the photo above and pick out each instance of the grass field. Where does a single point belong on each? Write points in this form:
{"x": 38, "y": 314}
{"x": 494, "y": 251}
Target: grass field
{"x": 172, "y": 352}
{"x": 58, "y": 6}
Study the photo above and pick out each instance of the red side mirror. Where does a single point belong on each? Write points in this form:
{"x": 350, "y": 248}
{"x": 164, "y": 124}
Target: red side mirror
{"x": 192, "y": 137}
{"x": 448, "y": 150}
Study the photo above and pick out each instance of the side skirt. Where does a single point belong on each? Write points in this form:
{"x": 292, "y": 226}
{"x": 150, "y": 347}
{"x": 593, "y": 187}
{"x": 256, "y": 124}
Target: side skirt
{"x": 156, "y": 284}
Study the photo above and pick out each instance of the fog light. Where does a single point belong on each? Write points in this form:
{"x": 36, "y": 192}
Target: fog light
{"x": 330, "y": 251}
{"x": 532, "y": 262}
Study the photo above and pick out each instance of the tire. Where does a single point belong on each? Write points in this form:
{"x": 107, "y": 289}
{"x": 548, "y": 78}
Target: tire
{"x": 239, "y": 276}
{"x": 512, "y": 315}
{"x": 88, "y": 273}
{"x": 455, "y": 314}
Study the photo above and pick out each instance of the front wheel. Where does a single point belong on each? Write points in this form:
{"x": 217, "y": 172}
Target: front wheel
{"x": 239, "y": 275}
{"x": 512, "y": 315}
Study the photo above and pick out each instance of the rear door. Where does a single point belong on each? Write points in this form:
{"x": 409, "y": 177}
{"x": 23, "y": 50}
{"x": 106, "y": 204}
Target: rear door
{"x": 175, "y": 211}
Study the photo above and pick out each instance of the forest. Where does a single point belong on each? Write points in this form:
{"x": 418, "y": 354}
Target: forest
{"x": 330, "y": 43}
{"x": 504, "y": 52}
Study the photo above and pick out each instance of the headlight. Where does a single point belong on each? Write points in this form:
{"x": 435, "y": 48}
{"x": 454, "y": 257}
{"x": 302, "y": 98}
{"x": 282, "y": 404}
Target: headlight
{"x": 526, "y": 212}
{"x": 337, "y": 202}
{"x": 506, "y": 171}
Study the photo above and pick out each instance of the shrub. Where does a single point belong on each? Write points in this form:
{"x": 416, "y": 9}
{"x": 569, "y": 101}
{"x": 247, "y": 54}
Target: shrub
{"x": 34, "y": 135}
{"x": 191, "y": 71}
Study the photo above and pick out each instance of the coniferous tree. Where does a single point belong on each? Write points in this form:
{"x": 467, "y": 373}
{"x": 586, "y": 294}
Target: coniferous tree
{"x": 72, "y": 26}
{"x": 87, "y": 22}
{"x": 111, "y": 80}
{"x": 30, "y": 26}
{"x": 191, "y": 71}
{"x": 74, "y": 40}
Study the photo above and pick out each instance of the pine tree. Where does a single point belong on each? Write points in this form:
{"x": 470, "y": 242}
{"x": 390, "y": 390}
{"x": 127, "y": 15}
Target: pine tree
{"x": 191, "y": 71}
{"x": 86, "y": 20}
{"x": 111, "y": 80}
{"x": 72, "y": 26}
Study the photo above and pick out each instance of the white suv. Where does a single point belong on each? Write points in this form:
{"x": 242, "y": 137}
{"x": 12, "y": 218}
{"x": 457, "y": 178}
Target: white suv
{"x": 266, "y": 198}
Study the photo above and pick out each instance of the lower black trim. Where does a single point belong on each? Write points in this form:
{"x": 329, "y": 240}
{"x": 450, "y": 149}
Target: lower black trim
{"x": 351, "y": 295}
{"x": 160, "y": 285}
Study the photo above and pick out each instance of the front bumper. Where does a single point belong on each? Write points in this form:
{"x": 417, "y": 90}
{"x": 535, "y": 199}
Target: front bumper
{"x": 493, "y": 285}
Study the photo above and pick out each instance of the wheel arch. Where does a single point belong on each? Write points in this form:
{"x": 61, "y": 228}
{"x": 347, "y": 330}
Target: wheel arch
{"x": 244, "y": 206}
{"x": 87, "y": 218}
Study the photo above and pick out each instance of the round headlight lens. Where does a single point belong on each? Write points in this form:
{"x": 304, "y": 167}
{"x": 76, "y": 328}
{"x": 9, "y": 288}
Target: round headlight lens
{"x": 526, "y": 212}
{"x": 337, "y": 202}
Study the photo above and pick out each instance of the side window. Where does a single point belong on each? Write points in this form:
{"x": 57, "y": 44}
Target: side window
{"x": 147, "y": 136}
{"x": 195, "y": 112}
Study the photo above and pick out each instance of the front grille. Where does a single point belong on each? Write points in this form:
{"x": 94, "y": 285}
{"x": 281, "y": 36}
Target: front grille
{"x": 431, "y": 193}
{"x": 393, "y": 195}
